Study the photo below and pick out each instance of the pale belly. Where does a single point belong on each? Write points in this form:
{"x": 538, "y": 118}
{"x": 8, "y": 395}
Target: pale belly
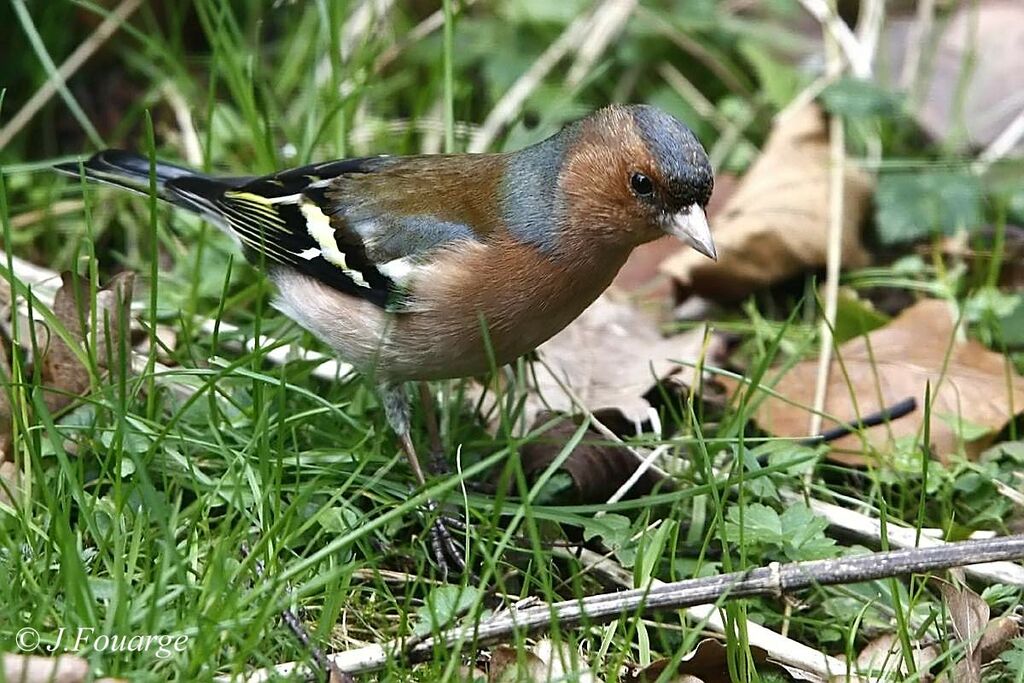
{"x": 459, "y": 334}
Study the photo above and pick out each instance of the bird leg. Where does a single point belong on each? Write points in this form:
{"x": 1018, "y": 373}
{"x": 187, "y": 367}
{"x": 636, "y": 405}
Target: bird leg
{"x": 438, "y": 465}
{"x": 396, "y": 408}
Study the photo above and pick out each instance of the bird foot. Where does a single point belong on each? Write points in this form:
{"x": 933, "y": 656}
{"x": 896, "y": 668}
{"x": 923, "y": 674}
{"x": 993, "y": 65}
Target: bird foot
{"x": 438, "y": 465}
{"x": 449, "y": 557}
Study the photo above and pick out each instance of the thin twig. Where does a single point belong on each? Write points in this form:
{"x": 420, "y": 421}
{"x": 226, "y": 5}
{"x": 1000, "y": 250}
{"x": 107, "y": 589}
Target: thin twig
{"x": 855, "y": 54}
{"x": 193, "y": 150}
{"x": 417, "y": 33}
{"x": 511, "y": 103}
{"x": 869, "y": 529}
{"x": 887, "y": 414}
{"x": 77, "y": 58}
{"x": 917, "y": 39}
{"x": 784, "y": 650}
{"x": 834, "y": 249}
{"x": 609, "y": 20}
{"x": 1005, "y": 142}
{"x": 773, "y": 580}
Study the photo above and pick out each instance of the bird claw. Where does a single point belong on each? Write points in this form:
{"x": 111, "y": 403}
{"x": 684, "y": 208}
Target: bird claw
{"x": 447, "y": 555}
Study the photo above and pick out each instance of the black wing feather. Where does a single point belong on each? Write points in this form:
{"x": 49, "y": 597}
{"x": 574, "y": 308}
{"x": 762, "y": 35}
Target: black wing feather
{"x": 267, "y": 216}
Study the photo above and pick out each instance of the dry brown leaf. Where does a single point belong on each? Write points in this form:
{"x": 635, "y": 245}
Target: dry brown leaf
{"x": 969, "y": 615}
{"x": 882, "y": 658}
{"x": 546, "y": 661}
{"x": 708, "y": 663}
{"x": 6, "y": 416}
{"x": 998, "y": 637}
{"x": 775, "y": 225}
{"x": 62, "y": 372}
{"x": 983, "y": 42}
{"x": 10, "y": 478}
{"x": 33, "y": 669}
{"x": 891, "y": 363}
{"x": 597, "y": 467}
{"x": 611, "y": 356}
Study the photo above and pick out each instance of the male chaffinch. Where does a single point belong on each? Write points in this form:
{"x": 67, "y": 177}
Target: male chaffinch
{"x": 426, "y": 267}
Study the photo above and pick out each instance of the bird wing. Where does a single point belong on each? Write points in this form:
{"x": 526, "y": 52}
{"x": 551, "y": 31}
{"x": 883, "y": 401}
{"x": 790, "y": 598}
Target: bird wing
{"x": 365, "y": 227}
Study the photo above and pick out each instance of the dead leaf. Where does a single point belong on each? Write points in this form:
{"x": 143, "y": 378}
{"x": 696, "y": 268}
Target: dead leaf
{"x": 975, "y": 387}
{"x": 6, "y": 426}
{"x": 969, "y": 616}
{"x": 708, "y": 663}
{"x": 33, "y": 669}
{"x": 976, "y": 64}
{"x": 882, "y": 658}
{"x": 546, "y": 661}
{"x": 775, "y": 225}
{"x": 62, "y": 372}
{"x": 611, "y": 356}
{"x": 596, "y": 467}
{"x": 998, "y": 636}
{"x": 10, "y": 478}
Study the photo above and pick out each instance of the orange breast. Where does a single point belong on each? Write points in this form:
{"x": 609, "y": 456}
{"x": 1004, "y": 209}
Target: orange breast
{"x": 520, "y": 296}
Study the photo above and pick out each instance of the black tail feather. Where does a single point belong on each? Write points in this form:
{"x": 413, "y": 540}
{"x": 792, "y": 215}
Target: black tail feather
{"x": 132, "y": 171}
{"x": 125, "y": 169}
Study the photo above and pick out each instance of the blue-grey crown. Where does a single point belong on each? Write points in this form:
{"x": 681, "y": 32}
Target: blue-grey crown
{"x": 680, "y": 157}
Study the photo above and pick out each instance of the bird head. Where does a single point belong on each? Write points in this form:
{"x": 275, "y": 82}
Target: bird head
{"x": 630, "y": 174}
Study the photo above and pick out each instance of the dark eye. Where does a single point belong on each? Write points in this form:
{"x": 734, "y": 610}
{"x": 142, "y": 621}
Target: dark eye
{"x": 641, "y": 184}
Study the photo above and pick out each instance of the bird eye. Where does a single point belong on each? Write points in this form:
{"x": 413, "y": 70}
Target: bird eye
{"x": 641, "y": 184}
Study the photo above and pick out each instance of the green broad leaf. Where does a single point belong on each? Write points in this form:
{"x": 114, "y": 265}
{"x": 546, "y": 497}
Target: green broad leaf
{"x": 779, "y": 80}
{"x": 616, "y": 532}
{"x": 910, "y": 206}
{"x": 442, "y": 606}
{"x": 757, "y": 524}
{"x": 805, "y": 536}
{"x": 854, "y": 97}
{"x": 1012, "y": 450}
{"x": 555, "y": 489}
{"x": 1013, "y": 659}
{"x": 968, "y": 431}
{"x": 760, "y": 487}
{"x": 612, "y": 529}
{"x": 855, "y": 318}
{"x": 797, "y": 459}
{"x": 338, "y": 519}
{"x": 1011, "y": 326}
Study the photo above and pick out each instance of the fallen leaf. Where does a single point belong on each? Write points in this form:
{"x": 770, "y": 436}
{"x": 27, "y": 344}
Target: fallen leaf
{"x": 708, "y": 662}
{"x": 545, "y": 662}
{"x": 596, "y": 467}
{"x": 975, "y": 66}
{"x": 9, "y": 482}
{"x": 33, "y": 669}
{"x": 63, "y": 374}
{"x": 998, "y": 637}
{"x": 611, "y": 357}
{"x": 974, "y": 389}
{"x": 969, "y": 616}
{"x": 882, "y": 658}
{"x": 6, "y": 426}
{"x": 775, "y": 225}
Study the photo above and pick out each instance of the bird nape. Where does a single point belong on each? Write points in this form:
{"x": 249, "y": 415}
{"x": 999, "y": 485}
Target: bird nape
{"x": 431, "y": 267}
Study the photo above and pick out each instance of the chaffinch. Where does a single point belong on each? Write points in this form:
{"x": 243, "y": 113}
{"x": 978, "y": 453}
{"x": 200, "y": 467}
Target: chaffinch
{"x": 422, "y": 267}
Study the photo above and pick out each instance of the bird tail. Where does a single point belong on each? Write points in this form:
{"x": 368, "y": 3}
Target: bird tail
{"x": 175, "y": 184}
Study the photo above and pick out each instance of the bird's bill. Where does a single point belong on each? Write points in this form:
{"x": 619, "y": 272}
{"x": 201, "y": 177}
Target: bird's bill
{"x": 691, "y": 226}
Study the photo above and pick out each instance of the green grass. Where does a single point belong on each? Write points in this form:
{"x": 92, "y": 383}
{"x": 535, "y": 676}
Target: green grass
{"x": 137, "y": 500}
